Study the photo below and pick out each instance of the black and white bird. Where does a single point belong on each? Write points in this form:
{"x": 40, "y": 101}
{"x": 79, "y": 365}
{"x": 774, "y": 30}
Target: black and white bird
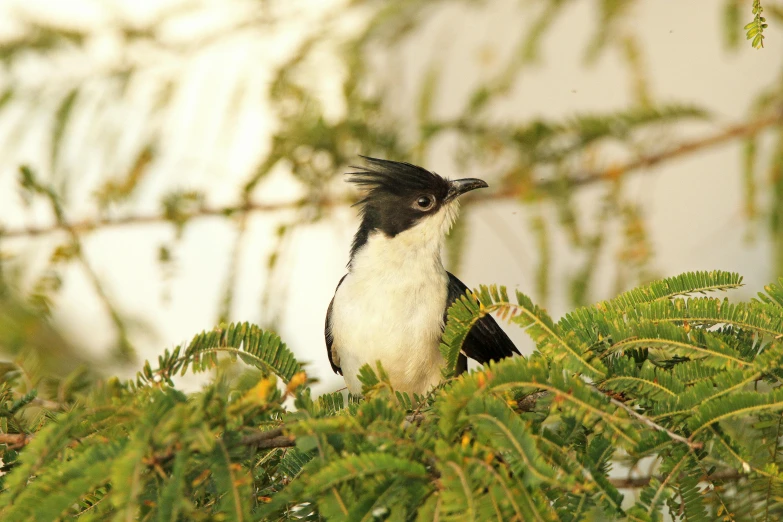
{"x": 391, "y": 305}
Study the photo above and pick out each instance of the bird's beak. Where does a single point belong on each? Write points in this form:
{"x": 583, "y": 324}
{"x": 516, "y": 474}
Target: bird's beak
{"x": 460, "y": 186}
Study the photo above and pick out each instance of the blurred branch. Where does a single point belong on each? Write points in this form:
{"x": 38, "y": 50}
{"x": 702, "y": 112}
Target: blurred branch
{"x": 15, "y": 440}
{"x": 511, "y": 190}
{"x": 88, "y": 225}
{"x": 742, "y": 130}
{"x": 269, "y": 439}
{"x": 30, "y": 182}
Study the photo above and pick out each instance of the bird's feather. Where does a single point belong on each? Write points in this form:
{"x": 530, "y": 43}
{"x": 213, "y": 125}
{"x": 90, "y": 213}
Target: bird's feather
{"x": 486, "y": 341}
{"x": 334, "y": 359}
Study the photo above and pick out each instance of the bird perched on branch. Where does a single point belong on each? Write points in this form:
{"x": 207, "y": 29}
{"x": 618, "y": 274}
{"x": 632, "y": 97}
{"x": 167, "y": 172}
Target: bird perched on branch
{"x": 391, "y": 305}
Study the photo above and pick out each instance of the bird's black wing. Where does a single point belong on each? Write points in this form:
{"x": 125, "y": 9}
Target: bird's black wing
{"x": 334, "y": 360}
{"x": 486, "y": 341}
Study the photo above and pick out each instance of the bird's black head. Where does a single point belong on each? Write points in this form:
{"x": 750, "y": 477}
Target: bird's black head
{"x": 398, "y": 196}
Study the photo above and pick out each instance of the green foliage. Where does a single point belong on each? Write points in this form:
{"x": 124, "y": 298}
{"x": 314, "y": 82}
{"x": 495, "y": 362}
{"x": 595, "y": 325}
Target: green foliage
{"x": 689, "y": 385}
{"x": 755, "y": 30}
{"x": 250, "y": 343}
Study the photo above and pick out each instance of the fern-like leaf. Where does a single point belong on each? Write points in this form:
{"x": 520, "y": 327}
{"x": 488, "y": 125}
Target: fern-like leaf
{"x": 683, "y": 284}
{"x": 232, "y": 484}
{"x": 468, "y": 309}
{"x": 48, "y": 496}
{"x": 359, "y": 467}
{"x": 498, "y": 426}
{"x": 774, "y": 293}
{"x": 253, "y": 345}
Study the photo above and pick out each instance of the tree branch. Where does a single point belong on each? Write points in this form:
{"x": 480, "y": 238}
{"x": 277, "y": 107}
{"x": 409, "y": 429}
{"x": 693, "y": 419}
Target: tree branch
{"x": 640, "y": 482}
{"x": 89, "y": 225}
{"x": 15, "y": 440}
{"x": 730, "y": 133}
{"x": 273, "y": 438}
{"x": 511, "y": 190}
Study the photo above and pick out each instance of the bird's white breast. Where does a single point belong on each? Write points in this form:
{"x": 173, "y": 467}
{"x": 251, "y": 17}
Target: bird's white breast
{"x": 389, "y": 308}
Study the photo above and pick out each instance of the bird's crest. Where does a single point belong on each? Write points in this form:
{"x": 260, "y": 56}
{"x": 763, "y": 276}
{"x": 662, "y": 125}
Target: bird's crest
{"x": 382, "y": 177}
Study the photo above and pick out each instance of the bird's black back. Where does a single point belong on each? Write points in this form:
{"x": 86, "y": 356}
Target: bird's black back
{"x": 486, "y": 341}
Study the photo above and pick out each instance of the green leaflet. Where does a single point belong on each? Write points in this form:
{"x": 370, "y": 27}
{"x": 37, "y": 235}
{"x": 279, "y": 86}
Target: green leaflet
{"x": 392, "y": 496}
{"x": 774, "y": 295}
{"x": 468, "y": 309}
{"x": 250, "y": 343}
{"x": 330, "y": 403}
{"x": 690, "y": 493}
{"x": 554, "y": 342}
{"x": 702, "y": 392}
{"x": 232, "y": 485}
{"x": 683, "y": 284}
{"x": 362, "y": 466}
{"x": 461, "y": 316}
{"x": 734, "y": 405}
{"x": 572, "y": 394}
{"x": 497, "y": 425}
{"x": 49, "y": 495}
{"x": 648, "y": 381}
{"x": 44, "y": 447}
{"x": 171, "y": 498}
{"x": 460, "y": 498}
{"x": 590, "y": 325}
{"x": 691, "y": 389}
{"x": 672, "y": 341}
{"x": 128, "y": 474}
{"x": 762, "y": 318}
{"x": 659, "y": 490}
{"x": 293, "y": 462}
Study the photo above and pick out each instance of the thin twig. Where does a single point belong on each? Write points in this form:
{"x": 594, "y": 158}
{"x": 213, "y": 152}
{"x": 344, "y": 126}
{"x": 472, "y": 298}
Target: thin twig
{"x": 640, "y": 482}
{"x": 512, "y": 190}
{"x": 655, "y": 426}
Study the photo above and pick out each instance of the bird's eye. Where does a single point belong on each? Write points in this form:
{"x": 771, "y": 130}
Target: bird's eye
{"x": 424, "y": 203}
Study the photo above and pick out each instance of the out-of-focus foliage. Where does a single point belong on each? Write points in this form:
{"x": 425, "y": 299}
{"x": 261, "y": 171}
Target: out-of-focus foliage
{"x": 538, "y": 162}
{"x": 684, "y": 391}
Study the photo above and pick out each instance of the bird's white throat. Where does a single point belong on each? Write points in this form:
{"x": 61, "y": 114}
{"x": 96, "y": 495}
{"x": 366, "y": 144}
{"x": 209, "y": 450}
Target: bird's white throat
{"x": 390, "y": 306}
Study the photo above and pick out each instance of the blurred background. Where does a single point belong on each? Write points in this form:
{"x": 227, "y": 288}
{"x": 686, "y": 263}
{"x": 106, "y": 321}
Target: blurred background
{"x": 167, "y": 165}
